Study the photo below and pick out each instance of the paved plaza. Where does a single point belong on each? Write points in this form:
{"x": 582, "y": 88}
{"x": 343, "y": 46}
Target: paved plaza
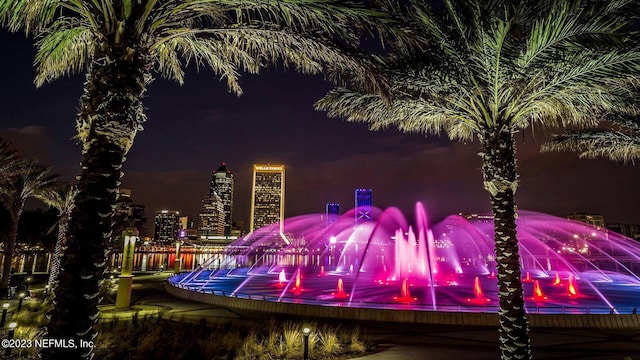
{"x": 403, "y": 341}
{"x": 412, "y": 342}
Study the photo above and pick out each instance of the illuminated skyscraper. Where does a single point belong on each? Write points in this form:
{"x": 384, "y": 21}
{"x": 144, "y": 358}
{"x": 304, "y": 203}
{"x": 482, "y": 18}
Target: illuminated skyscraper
{"x": 363, "y": 205}
{"x": 167, "y": 225}
{"x": 332, "y": 213}
{"x": 212, "y": 216}
{"x": 222, "y": 185}
{"x": 267, "y": 196}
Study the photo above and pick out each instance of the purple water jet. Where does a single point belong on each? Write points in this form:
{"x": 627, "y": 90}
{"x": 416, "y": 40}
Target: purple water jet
{"x": 445, "y": 264}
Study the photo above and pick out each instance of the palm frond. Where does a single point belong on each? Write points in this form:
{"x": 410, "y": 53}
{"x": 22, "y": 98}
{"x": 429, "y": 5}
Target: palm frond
{"x": 8, "y": 160}
{"x": 61, "y": 197}
{"x": 598, "y": 143}
{"x": 65, "y": 50}
{"x": 30, "y": 15}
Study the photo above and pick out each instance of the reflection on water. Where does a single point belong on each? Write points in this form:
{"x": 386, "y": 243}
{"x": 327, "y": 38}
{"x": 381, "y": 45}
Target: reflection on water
{"x": 164, "y": 258}
{"x": 160, "y": 258}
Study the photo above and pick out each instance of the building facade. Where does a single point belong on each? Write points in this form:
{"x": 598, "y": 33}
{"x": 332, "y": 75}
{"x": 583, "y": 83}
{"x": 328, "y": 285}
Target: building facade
{"x": 267, "y": 196}
{"x": 596, "y": 220}
{"x": 211, "y": 220}
{"x": 332, "y": 213}
{"x": 167, "y": 224}
{"x": 363, "y": 205}
{"x": 222, "y": 185}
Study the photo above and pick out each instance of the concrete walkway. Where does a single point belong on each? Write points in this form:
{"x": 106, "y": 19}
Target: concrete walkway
{"x": 405, "y": 341}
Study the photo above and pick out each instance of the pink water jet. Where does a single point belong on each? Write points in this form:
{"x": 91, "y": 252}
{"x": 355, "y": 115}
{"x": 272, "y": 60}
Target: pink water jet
{"x": 405, "y": 295}
{"x": 322, "y": 273}
{"x": 572, "y": 290}
{"x": 557, "y": 281}
{"x": 282, "y": 278}
{"x": 340, "y": 293}
{"x": 537, "y": 292}
{"x": 477, "y": 290}
{"x": 527, "y": 278}
{"x": 297, "y": 288}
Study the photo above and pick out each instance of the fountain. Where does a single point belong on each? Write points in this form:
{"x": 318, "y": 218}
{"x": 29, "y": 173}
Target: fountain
{"x": 340, "y": 294}
{"x": 537, "y": 292}
{"x": 479, "y": 294}
{"x": 441, "y": 263}
{"x": 405, "y": 296}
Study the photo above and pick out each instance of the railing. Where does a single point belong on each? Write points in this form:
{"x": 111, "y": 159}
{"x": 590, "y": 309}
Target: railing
{"x": 559, "y": 310}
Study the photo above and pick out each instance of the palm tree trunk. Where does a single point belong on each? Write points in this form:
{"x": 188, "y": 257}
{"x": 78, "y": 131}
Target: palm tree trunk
{"x": 111, "y": 113}
{"x": 501, "y": 179}
{"x": 58, "y": 252}
{"x": 16, "y": 211}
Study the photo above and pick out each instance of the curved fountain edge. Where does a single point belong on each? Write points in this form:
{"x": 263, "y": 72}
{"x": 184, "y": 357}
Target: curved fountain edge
{"x": 584, "y": 321}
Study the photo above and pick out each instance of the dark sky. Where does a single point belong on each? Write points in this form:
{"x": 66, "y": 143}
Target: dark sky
{"x": 193, "y": 128}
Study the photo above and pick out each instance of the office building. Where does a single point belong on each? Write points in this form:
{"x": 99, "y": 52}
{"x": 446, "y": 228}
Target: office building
{"x": 167, "y": 224}
{"x": 363, "y": 208}
{"x": 211, "y": 220}
{"x": 631, "y": 231}
{"x": 267, "y": 196}
{"x": 332, "y": 213}
{"x": 222, "y": 185}
{"x": 127, "y": 213}
{"x": 596, "y": 220}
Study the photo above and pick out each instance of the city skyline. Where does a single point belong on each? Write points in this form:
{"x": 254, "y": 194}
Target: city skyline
{"x": 193, "y": 128}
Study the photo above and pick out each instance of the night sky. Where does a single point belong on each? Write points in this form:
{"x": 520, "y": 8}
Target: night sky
{"x": 192, "y": 129}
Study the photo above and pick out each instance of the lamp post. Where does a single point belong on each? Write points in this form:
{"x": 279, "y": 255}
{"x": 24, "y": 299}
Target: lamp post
{"x": 305, "y": 334}
{"x": 21, "y": 297}
{"x": 5, "y": 308}
{"x": 12, "y": 331}
{"x": 125, "y": 282}
{"x": 178, "y": 261}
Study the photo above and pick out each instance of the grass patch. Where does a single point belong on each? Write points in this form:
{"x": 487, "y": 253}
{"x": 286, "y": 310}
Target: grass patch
{"x": 159, "y": 336}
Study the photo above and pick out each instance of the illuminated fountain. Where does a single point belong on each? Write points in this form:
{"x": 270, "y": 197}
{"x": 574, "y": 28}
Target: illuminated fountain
{"x": 566, "y": 266}
{"x": 479, "y": 294}
{"x": 405, "y": 296}
{"x": 340, "y": 294}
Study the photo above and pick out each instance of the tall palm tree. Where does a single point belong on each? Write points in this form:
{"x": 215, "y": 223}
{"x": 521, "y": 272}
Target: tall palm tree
{"x": 30, "y": 179}
{"x": 618, "y": 141}
{"x": 62, "y": 198}
{"x": 122, "y": 45}
{"x": 9, "y": 159}
{"x": 489, "y": 69}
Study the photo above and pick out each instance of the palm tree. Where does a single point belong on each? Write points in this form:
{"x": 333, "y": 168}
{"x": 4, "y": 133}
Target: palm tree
{"x": 620, "y": 141}
{"x": 488, "y": 70}
{"x": 30, "y": 179}
{"x": 9, "y": 159}
{"x": 62, "y": 198}
{"x": 122, "y": 45}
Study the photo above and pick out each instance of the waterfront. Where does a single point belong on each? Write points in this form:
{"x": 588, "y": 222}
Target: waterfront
{"x": 146, "y": 258}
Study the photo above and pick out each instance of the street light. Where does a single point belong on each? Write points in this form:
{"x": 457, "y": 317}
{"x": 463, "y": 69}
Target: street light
{"x": 12, "y": 331}
{"x": 5, "y": 307}
{"x": 305, "y": 334}
{"x": 21, "y": 296}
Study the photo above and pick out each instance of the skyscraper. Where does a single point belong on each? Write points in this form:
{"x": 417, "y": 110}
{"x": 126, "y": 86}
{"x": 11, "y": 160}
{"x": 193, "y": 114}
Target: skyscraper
{"x": 222, "y": 185}
{"x": 363, "y": 205}
{"x": 267, "y": 196}
{"x": 167, "y": 225}
{"x": 332, "y": 213}
{"x": 211, "y": 218}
